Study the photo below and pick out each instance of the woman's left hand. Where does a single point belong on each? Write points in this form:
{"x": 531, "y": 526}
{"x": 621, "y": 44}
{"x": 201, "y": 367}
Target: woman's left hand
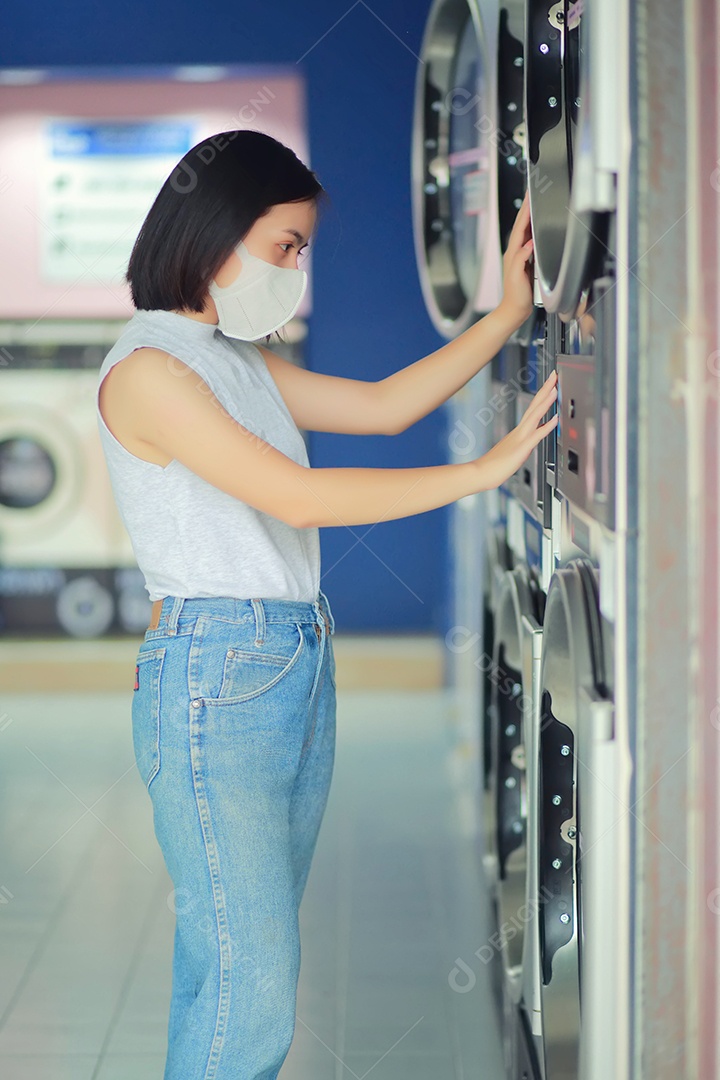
{"x": 517, "y": 301}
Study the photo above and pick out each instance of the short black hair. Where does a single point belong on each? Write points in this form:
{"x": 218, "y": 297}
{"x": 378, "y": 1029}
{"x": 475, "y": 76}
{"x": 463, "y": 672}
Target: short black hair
{"x": 208, "y": 203}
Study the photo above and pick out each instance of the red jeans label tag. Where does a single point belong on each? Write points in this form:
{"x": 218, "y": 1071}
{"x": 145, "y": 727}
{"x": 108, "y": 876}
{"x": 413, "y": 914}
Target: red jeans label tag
{"x": 137, "y": 673}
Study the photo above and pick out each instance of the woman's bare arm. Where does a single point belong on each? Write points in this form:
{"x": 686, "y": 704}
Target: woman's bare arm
{"x": 173, "y": 409}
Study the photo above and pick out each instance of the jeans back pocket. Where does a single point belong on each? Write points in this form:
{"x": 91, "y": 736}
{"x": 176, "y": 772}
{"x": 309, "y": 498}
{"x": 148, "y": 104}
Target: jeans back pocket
{"x": 146, "y": 712}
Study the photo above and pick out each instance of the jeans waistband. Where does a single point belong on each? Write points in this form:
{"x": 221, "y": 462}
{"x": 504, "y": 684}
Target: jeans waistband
{"x": 240, "y": 610}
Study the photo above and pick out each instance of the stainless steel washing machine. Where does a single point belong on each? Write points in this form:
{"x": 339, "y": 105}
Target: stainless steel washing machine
{"x": 571, "y": 108}
{"x": 498, "y": 561}
{"x": 509, "y": 704}
{"x": 524, "y": 362}
{"x": 454, "y": 200}
{"x": 529, "y": 484}
{"x": 555, "y": 533}
{"x": 510, "y": 820}
{"x": 574, "y": 126}
{"x": 510, "y": 140}
{"x": 575, "y": 809}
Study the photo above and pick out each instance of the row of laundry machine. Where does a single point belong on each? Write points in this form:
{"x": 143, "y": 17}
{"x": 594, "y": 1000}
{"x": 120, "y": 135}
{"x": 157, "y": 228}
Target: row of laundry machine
{"x": 515, "y": 96}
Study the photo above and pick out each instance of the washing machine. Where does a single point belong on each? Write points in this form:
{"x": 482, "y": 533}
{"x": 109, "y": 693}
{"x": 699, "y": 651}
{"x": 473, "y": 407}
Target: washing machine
{"x": 466, "y": 637}
{"x": 469, "y": 145}
{"x": 512, "y": 789}
{"x": 510, "y": 142}
{"x": 498, "y": 560}
{"x": 454, "y": 203}
{"x": 511, "y": 368}
{"x": 552, "y": 533}
{"x": 572, "y": 97}
{"x": 508, "y": 371}
{"x": 516, "y": 595}
{"x": 66, "y": 563}
{"x": 529, "y": 484}
{"x": 573, "y": 128}
{"x": 577, "y": 787}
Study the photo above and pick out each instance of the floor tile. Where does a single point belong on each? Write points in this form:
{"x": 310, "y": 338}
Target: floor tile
{"x": 394, "y": 898}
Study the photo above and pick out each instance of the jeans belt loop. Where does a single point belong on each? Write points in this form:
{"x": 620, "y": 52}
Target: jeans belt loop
{"x": 259, "y": 612}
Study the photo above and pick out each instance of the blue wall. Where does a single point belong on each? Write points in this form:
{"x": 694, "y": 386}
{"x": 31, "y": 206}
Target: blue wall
{"x": 368, "y": 315}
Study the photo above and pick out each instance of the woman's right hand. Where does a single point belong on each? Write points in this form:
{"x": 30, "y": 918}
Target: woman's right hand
{"x": 508, "y": 455}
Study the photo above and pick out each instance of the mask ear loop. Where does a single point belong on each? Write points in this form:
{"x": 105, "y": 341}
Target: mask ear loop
{"x": 236, "y": 251}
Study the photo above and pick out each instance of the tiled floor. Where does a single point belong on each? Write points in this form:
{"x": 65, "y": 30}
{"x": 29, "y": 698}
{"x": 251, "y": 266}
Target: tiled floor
{"x": 394, "y": 899}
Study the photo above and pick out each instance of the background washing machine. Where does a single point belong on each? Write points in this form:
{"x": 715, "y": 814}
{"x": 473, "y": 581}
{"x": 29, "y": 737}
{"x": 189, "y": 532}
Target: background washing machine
{"x": 66, "y": 563}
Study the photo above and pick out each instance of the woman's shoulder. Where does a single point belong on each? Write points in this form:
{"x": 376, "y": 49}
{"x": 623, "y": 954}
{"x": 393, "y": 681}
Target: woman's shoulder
{"x": 151, "y": 335}
{"x": 141, "y": 358}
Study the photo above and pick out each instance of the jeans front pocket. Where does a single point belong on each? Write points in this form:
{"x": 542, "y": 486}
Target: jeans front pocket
{"x": 146, "y": 712}
{"x": 247, "y": 673}
{"x": 227, "y": 666}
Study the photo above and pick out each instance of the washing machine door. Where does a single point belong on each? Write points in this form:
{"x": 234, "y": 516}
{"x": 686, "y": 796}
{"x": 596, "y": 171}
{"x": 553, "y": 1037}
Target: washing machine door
{"x": 510, "y": 143}
{"x": 454, "y": 165}
{"x": 571, "y": 191}
{"x": 498, "y": 560}
{"x": 572, "y": 665}
{"x": 510, "y": 735}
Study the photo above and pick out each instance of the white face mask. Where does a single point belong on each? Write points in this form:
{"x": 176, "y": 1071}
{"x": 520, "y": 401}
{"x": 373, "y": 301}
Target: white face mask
{"x": 261, "y": 299}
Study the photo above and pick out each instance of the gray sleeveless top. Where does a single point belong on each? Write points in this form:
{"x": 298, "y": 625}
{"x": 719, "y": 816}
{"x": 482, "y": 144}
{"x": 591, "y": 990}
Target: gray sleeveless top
{"x": 189, "y": 538}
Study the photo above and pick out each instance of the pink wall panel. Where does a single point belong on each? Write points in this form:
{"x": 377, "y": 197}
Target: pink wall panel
{"x": 264, "y": 100}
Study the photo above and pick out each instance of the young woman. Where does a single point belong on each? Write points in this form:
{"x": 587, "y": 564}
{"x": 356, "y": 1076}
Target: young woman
{"x": 234, "y": 697}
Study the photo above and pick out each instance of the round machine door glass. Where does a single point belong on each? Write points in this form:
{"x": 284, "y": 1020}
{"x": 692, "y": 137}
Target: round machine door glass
{"x": 453, "y": 183}
{"x": 467, "y": 159}
{"x": 27, "y": 473}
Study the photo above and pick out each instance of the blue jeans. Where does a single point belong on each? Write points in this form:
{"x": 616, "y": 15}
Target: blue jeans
{"x": 233, "y": 721}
